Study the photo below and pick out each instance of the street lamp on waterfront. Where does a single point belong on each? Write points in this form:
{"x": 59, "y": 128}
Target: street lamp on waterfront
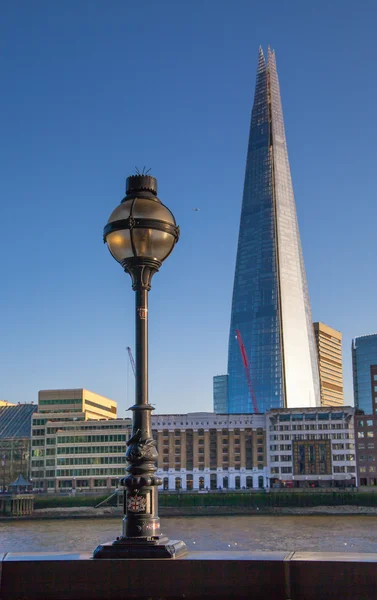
{"x": 141, "y": 233}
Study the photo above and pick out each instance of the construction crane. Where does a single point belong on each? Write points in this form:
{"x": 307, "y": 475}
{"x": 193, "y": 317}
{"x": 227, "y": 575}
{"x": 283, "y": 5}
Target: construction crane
{"x": 246, "y": 365}
{"x": 131, "y": 360}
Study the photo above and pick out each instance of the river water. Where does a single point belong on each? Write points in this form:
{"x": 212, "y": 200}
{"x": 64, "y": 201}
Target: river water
{"x": 256, "y": 533}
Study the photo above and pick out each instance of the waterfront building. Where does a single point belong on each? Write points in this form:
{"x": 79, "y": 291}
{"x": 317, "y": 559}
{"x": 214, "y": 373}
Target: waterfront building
{"x": 366, "y": 448}
{"x": 81, "y": 455}
{"x": 206, "y": 450}
{"x": 330, "y": 363}
{"x": 270, "y": 306}
{"x": 220, "y": 394}
{"x": 311, "y": 447}
{"x": 364, "y": 365}
{"x": 77, "y": 441}
{"x": 15, "y": 435}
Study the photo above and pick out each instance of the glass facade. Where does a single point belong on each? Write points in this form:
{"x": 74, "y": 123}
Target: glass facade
{"x": 220, "y": 394}
{"x": 270, "y": 306}
{"x": 364, "y": 361}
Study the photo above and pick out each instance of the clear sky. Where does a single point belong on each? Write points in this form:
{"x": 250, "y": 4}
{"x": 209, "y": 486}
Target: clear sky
{"x": 92, "y": 88}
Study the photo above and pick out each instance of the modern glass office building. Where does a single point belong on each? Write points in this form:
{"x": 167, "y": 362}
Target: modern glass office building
{"x": 271, "y": 307}
{"x": 220, "y": 394}
{"x": 364, "y": 364}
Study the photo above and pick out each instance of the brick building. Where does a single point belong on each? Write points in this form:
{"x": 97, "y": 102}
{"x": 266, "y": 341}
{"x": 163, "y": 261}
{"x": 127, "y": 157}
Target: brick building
{"x": 207, "y": 450}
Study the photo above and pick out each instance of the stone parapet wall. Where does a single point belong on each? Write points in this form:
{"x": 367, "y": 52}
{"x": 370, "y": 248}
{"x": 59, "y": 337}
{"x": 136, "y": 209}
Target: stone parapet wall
{"x": 220, "y": 575}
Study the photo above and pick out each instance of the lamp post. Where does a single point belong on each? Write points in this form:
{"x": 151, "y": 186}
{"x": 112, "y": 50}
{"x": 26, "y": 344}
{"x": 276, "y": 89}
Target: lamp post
{"x": 141, "y": 233}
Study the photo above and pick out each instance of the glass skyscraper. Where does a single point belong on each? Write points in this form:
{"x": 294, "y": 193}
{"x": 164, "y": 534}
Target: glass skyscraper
{"x": 364, "y": 363}
{"x": 271, "y": 307}
{"x": 220, "y": 394}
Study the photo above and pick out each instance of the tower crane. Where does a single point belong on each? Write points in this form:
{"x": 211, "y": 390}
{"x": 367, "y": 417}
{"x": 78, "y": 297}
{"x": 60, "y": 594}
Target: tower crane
{"x": 246, "y": 365}
{"x": 131, "y": 360}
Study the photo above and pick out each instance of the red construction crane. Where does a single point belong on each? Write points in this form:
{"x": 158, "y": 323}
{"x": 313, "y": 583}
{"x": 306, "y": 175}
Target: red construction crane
{"x": 131, "y": 360}
{"x": 246, "y": 365}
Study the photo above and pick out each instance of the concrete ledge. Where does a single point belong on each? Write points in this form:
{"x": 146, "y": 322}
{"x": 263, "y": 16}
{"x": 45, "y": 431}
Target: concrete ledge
{"x": 239, "y": 575}
{"x": 58, "y": 576}
{"x": 325, "y": 575}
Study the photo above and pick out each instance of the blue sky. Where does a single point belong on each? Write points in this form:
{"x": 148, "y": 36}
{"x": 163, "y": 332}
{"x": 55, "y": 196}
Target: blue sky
{"x": 89, "y": 90}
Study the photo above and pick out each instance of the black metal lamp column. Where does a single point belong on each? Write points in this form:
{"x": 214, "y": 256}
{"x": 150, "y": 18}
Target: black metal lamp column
{"x": 140, "y": 234}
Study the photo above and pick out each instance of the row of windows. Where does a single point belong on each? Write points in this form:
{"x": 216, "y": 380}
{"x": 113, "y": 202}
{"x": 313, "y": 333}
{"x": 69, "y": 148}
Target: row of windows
{"x": 312, "y": 417}
{"x": 312, "y": 436}
{"x": 340, "y": 457}
{"x": 371, "y": 469}
{"x": 48, "y": 402}
{"x": 111, "y": 409}
{"x": 276, "y": 470}
{"x": 86, "y": 472}
{"x": 91, "y": 449}
{"x": 306, "y": 427}
{"x": 92, "y": 460}
{"x": 86, "y": 439}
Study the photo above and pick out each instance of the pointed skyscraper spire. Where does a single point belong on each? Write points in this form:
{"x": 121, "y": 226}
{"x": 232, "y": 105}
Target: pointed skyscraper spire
{"x": 270, "y": 305}
{"x": 261, "y": 60}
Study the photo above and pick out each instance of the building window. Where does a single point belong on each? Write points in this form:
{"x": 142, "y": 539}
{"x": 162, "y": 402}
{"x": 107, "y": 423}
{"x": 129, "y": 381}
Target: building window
{"x": 360, "y": 434}
{"x": 339, "y": 469}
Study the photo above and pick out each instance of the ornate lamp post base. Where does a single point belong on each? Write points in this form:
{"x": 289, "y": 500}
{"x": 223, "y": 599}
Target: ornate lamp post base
{"x": 142, "y": 548}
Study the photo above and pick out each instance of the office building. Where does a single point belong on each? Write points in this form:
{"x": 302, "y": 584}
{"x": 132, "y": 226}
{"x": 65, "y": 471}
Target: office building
{"x": 311, "y": 447}
{"x": 366, "y": 449}
{"x": 364, "y": 365}
{"x": 85, "y": 455}
{"x": 220, "y": 394}
{"x": 330, "y": 364}
{"x": 81, "y": 403}
{"x": 271, "y": 311}
{"x": 15, "y": 436}
{"x": 204, "y": 450}
{"x": 77, "y": 441}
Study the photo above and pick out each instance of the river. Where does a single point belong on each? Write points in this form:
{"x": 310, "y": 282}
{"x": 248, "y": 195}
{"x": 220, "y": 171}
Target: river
{"x": 257, "y": 533}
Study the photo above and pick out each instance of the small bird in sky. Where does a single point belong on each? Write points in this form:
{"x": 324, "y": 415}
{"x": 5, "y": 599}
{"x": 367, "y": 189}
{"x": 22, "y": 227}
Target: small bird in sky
{"x": 196, "y": 209}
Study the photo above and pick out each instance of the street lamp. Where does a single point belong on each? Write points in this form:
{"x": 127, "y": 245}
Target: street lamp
{"x": 141, "y": 233}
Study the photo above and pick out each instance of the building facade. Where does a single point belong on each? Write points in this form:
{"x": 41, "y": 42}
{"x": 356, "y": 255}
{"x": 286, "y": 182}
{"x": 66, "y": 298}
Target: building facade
{"x": 77, "y": 442}
{"x": 364, "y": 366}
{"x": 330, "y": 364}
{"x": 220, "y": 394}
{"x": 270, "y": 306}
{"x": 206, "y": 450}
{"x": 366, "y": 449}
{"x": 84, "y": 403}
{"x": 311, "y": 447}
